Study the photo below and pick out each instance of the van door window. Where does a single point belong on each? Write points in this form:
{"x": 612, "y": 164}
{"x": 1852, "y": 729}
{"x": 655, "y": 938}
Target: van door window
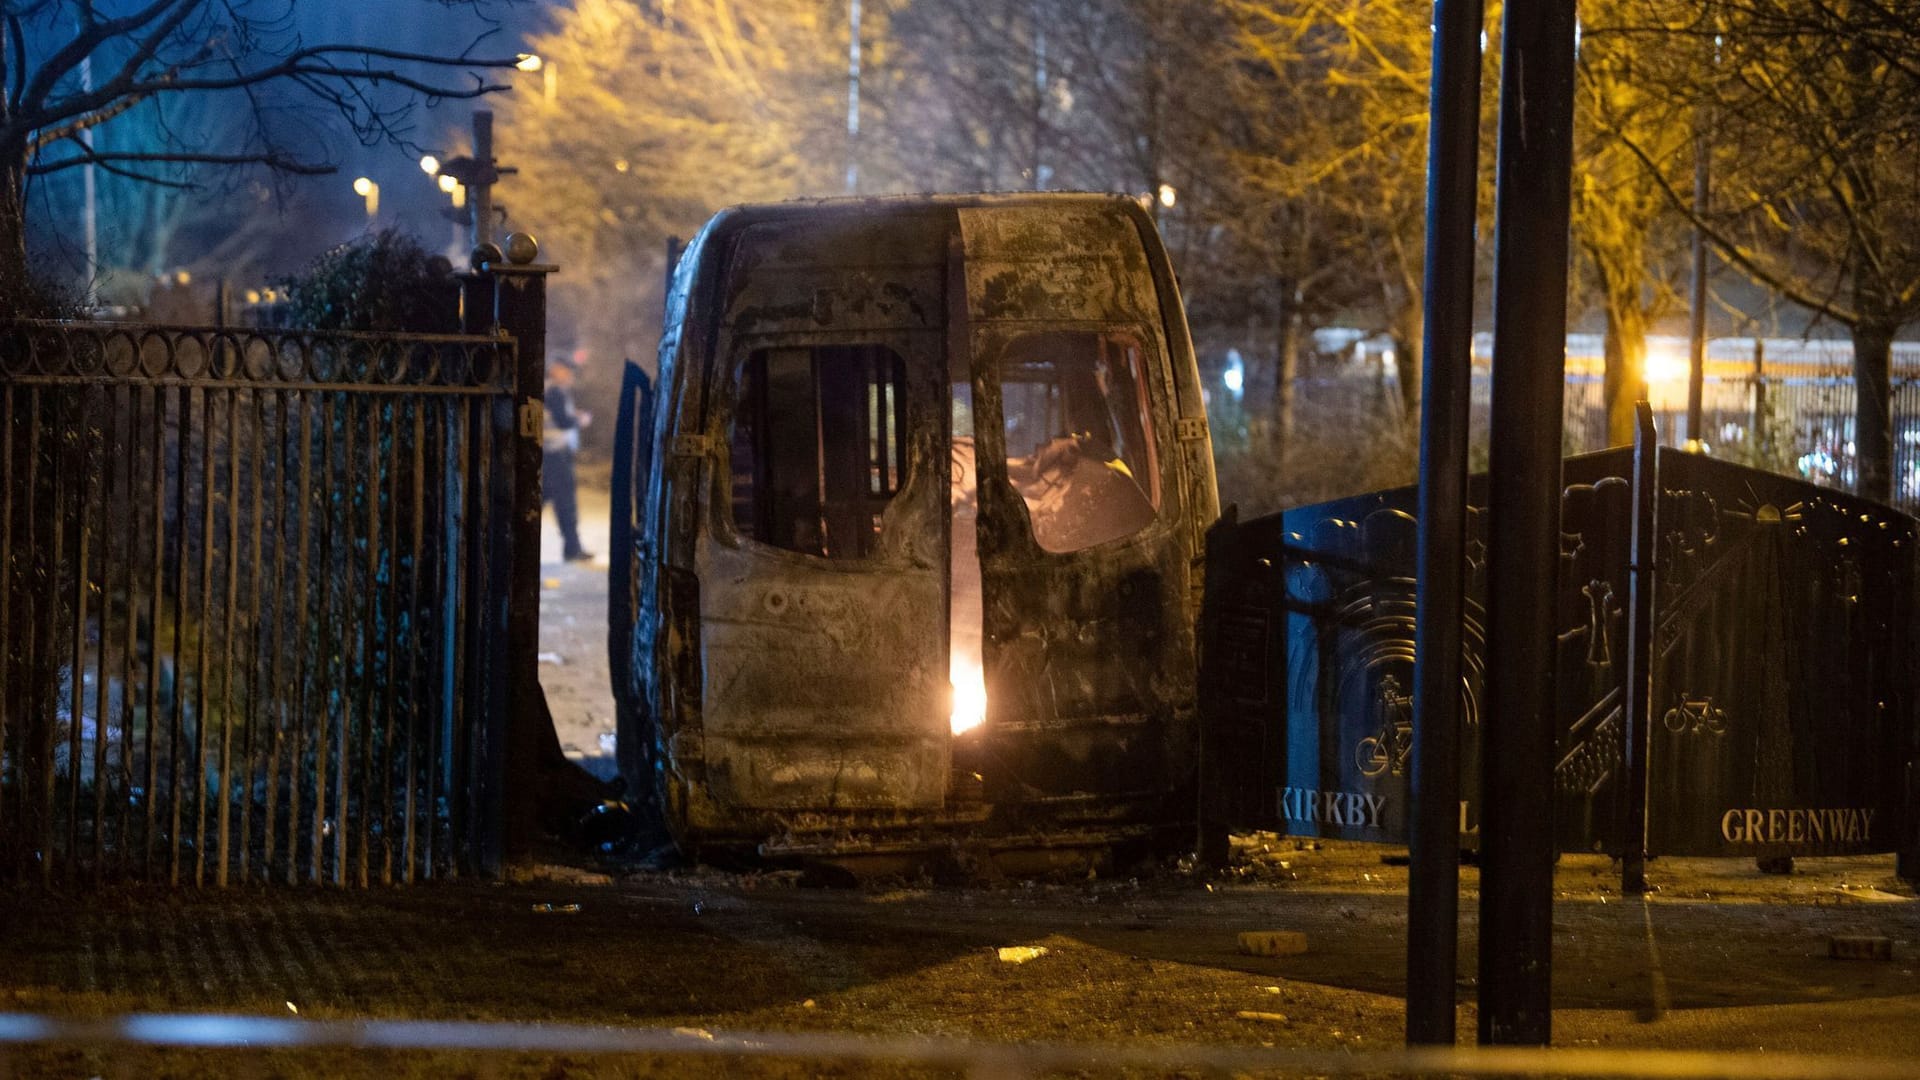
{"x": 818, "y": 447}
{"x": 1080, "y": 436}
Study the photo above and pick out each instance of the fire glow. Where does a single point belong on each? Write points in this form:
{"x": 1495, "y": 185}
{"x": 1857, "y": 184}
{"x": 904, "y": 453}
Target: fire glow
{"x": 969, "y": 692}
{"x": 964, "y": 665}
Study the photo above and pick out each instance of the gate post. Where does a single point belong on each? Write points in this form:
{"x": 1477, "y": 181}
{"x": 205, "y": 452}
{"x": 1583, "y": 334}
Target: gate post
{"x": 1639, "y": 689}
{"x": 511, "y": 297}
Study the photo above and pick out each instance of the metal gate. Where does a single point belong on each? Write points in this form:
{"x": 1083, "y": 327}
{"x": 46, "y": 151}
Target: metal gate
{"x": 1781, "y": 714}
{"x": 249, "y": 584}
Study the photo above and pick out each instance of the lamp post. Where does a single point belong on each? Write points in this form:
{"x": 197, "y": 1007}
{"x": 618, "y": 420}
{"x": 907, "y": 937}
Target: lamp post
{"x": 476, "y": 175}
{"x": 369, "y": 191}
{"x": 549, "y": 74}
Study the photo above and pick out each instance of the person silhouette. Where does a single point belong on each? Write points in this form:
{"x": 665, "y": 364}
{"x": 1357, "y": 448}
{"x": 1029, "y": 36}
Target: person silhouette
{"x": 559, "y": 443}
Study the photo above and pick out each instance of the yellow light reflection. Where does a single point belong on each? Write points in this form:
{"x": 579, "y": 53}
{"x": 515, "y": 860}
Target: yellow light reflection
{"x": 969, "y": 694}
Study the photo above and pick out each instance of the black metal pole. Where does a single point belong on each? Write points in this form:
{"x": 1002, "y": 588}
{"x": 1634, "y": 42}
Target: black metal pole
{"x": 1639, "y": 688}
{"x": 1697, "y": 324}
{"x": 1529, "y": 354}
{"x": 1433, "y": 891}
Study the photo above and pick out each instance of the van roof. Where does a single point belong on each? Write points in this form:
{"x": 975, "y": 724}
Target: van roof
{"x": 881, "y": 204}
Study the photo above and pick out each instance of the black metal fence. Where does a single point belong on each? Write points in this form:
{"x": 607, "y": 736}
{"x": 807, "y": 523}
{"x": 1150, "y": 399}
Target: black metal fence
{"x": 1784, "y": 405}
{"x": 245, "y": 585}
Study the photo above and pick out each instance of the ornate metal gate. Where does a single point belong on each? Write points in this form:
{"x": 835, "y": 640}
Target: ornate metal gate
{"x": 1784, "y": 708}
{"x": 251, "y": 614}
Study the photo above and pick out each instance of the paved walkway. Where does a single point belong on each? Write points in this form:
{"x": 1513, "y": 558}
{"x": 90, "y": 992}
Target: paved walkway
{"x": 1721, "y": 959}
{"x": 573, "y": 634}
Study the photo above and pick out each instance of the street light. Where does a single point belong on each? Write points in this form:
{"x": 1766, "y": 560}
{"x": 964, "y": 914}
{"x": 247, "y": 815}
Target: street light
{"x": 550, "y": 72}
{"x": 429, "y": 164}
{"x": 369, "y": 191}
{"x": 1167, "y": 195}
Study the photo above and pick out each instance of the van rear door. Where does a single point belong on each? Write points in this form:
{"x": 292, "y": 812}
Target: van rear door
{"x": 822, "y": 560}
{"x": 1084, "y": 504}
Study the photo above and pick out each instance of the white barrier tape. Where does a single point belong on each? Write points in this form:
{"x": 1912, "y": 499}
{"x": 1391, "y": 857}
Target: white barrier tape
{"x": 222, "y": 1031}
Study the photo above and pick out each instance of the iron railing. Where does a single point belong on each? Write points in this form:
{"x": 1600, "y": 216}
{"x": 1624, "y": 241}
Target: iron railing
{"x": 243, "y": 586}
{"x": 1780, "y": 404}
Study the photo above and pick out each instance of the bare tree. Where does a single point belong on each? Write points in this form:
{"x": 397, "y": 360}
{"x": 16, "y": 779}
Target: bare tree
{"x": 1352, "y": 143}
{"x": 659, "y": 115}
{"x": 1622, "y": 222}
{"x": 1815, "y": 143}
{"x": 69, "y": 66}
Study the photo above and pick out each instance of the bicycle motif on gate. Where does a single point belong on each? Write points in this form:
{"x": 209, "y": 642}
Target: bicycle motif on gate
{"x": 1391, "y": 746}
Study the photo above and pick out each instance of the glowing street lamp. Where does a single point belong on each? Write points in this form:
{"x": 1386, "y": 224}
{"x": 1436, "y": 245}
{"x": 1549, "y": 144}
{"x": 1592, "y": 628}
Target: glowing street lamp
{"x": 551, "y": 76}
{"x": 429, "y": 164}
{"x": 1168, "y": 195}
{"x": 369, "y": 191}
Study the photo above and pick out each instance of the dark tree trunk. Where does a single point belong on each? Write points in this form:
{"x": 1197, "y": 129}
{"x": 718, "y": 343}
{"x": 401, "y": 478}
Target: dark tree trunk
{"x": 1873, "y": 415}
{"x": 1408, "y": 339}
{"x": 13, "y": 228}
{"x": 1626, "y": 365}
{"x": 1286, "y": 371}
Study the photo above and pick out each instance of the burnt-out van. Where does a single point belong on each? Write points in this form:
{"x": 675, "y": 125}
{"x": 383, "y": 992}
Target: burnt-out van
{"x": 909, "y": 528}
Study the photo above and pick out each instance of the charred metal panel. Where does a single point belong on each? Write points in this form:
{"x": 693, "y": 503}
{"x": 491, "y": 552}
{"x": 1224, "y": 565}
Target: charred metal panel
{"x": 1089, "y": 654}
{"x": 823, "y": 680}
{"x": 839, "y": 274}
{"x": 1031, "y": 263}
{"x": 823, "y": 689}
{"x": 1784, "y": 667}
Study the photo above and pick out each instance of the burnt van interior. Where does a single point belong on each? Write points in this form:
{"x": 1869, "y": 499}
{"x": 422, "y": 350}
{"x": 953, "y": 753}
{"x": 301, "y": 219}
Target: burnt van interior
{"x": 817, "y": 448}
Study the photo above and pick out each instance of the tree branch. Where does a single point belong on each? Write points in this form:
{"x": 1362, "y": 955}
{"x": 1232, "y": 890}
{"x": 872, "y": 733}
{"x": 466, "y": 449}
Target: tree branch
{"x": 295, "y": 65}
{"x": 1735, "y": 253}
{"x": 90, "y": 38}
{"x": 48, "y": 136}
{"x": 270, "y": 159}
{"x": 19, "y": 36}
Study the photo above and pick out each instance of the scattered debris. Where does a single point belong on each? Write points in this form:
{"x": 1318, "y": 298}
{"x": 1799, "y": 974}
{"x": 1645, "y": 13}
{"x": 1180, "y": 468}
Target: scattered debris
{"x": 1273, "y": 943}
{"x": 556, "y": 874}
{"x": 293, "y": 1009}
{"x": 807, "y": 1004}
{"x": 552, "y": 658}
{"x": 1020, "y": 954}
{"x": 1266, "y": 1017}
{"x": 1871, "y": 894}
{"x": 556, "y": 909}
{"x": 1860, "y": 947}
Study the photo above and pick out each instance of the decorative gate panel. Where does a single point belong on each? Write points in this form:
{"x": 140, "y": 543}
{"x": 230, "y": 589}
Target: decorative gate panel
{"x": 246, "y": 585}
{"x": 1784, "y": 680}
